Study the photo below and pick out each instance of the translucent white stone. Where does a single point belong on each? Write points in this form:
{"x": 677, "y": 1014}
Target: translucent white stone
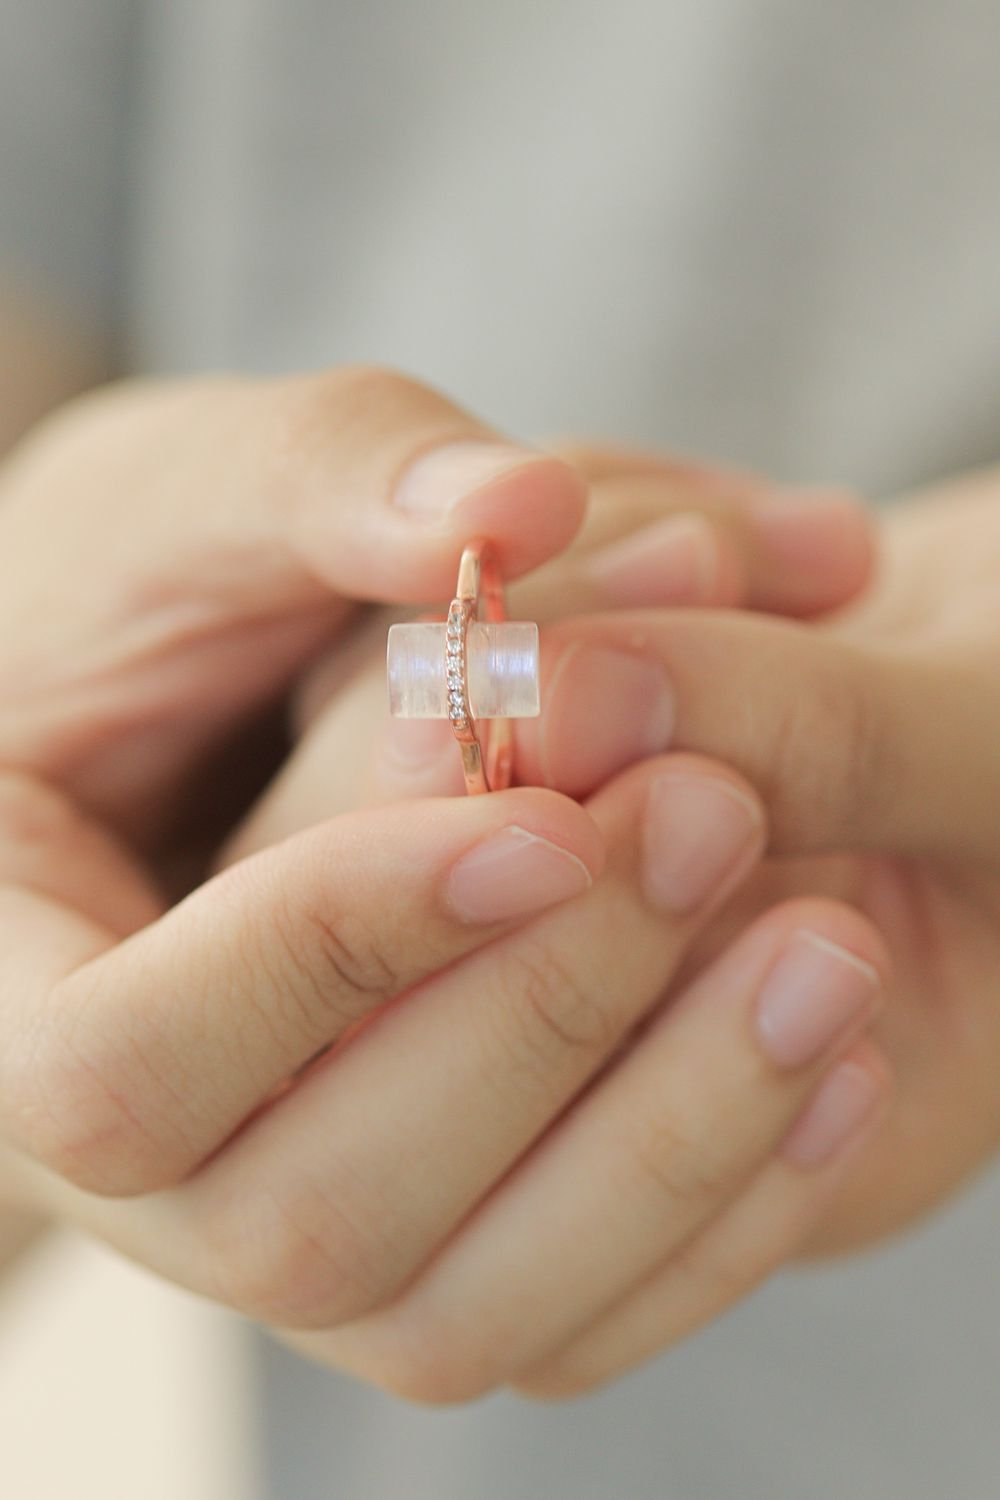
{"x": 503, "y": 671}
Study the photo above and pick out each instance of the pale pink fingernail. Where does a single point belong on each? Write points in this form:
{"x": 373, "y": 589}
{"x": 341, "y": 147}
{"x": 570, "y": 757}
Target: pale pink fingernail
{"x": 800, "y": 525}
{"x": 699, "y": 833}
{"x": 848, "y": 1099}
{"x": 439, "y": 479}
{"x": 604, "y": 709}
{"x": 816, "y": 992}
{"x": 674, "y": 561}
{"x": 512, "y": 874}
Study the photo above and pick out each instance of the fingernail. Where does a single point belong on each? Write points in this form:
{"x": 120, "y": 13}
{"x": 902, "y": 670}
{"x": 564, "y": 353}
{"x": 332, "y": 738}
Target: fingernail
{"x": 605, "y": 709}
{"x": 512, "y": 874}
{"x": 847, "y": 1099}
{"x": 815, "y": 992}
{"x": 801, "y": 524}
{"x": 674, "y": 561}
{"x": 437, "y": 481}
{"x": 699, "y": 834}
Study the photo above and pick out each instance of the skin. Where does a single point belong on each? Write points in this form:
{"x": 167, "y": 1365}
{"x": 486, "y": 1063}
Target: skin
{"x": 873, "y": 728}
{"x": 189, "y": 1112}
{"x": 42, "y": 364}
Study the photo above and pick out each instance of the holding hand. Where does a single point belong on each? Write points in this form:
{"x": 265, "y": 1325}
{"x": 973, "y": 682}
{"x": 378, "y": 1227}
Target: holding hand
{"x": 875, "y": 731}
{"x": 331, "y": 1065}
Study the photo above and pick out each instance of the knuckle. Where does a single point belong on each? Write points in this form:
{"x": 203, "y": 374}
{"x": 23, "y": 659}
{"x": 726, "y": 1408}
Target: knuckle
{"x": 665, "y": 1157}
{"x": 871, "y": 765}
{"x": 840, "y": 710}
{"x": 310, "y": 965}
{"x": 333, "y": 397}
{"x": 348, "y": 389}
{"x": 558, "y": 1008}
{"x": 315, "y": 411}
{"x": 336, "y": 964}
{"x": 290, "y": 1257}
{"x": 348, "y": 950}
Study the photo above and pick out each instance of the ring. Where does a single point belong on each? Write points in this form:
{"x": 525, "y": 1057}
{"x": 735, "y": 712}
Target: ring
{"x": 466, "y": 669}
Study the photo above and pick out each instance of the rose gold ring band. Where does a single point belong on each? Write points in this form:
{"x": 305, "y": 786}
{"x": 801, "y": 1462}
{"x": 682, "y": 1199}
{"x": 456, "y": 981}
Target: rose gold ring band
{"x": 486, "y": 758}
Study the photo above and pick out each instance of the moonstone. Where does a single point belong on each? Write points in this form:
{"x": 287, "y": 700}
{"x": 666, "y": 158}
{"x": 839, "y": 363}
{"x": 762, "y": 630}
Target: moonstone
{"x": 503, "y": 670}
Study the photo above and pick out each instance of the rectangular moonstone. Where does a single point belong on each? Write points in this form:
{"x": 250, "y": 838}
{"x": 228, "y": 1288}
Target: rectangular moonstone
{"x": 503, "y": 670}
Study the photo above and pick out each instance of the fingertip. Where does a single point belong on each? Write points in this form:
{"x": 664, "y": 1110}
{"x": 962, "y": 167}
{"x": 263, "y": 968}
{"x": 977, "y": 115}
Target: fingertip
{"x": 530, "y": 512}
{"x": 835, "y": 923}
{"x": 407, "y": 547}
{"x": 817, "y": 547}
{"x": 686, "y": 766}
{"x": 696, "y": 828}
{"x": 675, "y": 560}
{"x": 537, "y": 850}
{"x": 604, "y": 708}
{"x": 544, "y": 816}
{"x": 871, "y": 1058}
{"x": 851, "y": 1101}
{"x": 558, "y": 819}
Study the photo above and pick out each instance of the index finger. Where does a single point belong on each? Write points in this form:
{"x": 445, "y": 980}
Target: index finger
{"x": 123, "y": 1064}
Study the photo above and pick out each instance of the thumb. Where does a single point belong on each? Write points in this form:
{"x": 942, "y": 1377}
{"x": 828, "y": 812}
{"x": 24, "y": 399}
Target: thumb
{"x": 849, "y": 745}
{"x": 195, "y": 543}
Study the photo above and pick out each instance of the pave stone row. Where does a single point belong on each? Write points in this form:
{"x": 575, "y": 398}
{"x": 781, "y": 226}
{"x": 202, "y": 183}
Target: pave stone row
{"x": 455, "y": 632}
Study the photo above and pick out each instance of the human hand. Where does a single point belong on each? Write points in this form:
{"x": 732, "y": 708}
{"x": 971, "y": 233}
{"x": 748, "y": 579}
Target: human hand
{"x": 657, "y": 532}
{"x": 872, "y": 740}
{"x": 171, "y": 557}
{"x": 874, "y": 734}
{"x": 491, "y": 1305}
{"x": 411, "y": 1207}
{"x": 174, "y": 554}
{"x": 160, "y": 1088}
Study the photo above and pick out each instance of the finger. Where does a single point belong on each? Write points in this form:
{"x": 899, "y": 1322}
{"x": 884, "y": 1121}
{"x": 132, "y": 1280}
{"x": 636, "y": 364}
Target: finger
{"x": 640, "y": 1163}
{"x": 742, "y": 539}
{"x": 777, "y": 554}
{"x": 244, "y": 516}
{"x": 656, "y": 533}
{"x": 397, "y": 1155}
{"x": 849, "y": 745}
{"x": 739, "y": 1249}
{"x": 122, "y": 1069}
{"x": 323, "y": 1201}
{"x": 659, "y": 539}
{"x": 615, "y": 509}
